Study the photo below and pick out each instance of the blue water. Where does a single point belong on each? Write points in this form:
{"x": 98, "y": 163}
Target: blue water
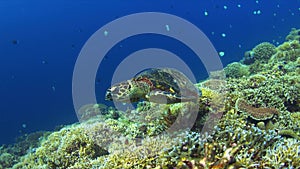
{"x": 40, "y": 41}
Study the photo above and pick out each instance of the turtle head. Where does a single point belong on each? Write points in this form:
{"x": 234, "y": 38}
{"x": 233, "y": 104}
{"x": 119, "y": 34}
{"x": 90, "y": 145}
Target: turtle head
{"x": 127, "y": 91}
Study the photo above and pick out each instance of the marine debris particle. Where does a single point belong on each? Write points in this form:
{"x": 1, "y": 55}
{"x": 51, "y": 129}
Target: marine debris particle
{"x": 44, "y": 62}
{"x": 261, "y": 113}
{"x": 258, "y": 12}
{"x": 205, "y": 13}
{"x": 105, "y": 33}
{"x": 15, "y": 42}
{"x": 221, "y": 53}
{"x": 53, "y": 88}
{"x": 167, "y": 28}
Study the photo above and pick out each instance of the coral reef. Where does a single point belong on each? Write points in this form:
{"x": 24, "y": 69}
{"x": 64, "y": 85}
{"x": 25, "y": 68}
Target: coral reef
{"x": 91, "y": 110}
{"x": 11, "y": 154}
{"x": 68, "y": 147}
{"x": 287, "y": 52}
{"x": 236, "y": 70}
{"x": 250, "y": 119}
{"x": 280, "y": 91}
{"x": 293, "y": 35}
{"x": 285, "y": 153}
{"x": 264, "y": 51}
{"x": 259, "y": 114}
{"x": 259, "y": 56}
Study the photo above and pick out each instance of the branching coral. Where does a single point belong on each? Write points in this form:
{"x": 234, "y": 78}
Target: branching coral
{"x": 28, "y": 143}
{"x": 288, "y": 51}
{"x": 6, "y": 160}
{"x": 279, "y": 91}
{"x": 234, "y": 131}
{"x": 293, "y": 35}
{"x": 63, "y": 149}
{"x": 285, "y": 153}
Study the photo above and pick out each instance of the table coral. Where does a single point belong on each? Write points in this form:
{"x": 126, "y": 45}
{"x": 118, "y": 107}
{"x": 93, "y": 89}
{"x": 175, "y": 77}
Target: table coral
{"x": 261, "y": 113}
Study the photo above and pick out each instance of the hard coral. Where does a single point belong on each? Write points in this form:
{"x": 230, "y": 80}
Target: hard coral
{"x": 63, "y": 149}
{"x": 236, "y": 70}
{"x": 288, "y": 51}
{"x": 264, "y": 51}
{"x": 261, "y": 113}
{"x": 283, "y": 154}
{"x": 91, "y": 110}
{"x": 216, "y": 85}
{"x": 293, "y": 35}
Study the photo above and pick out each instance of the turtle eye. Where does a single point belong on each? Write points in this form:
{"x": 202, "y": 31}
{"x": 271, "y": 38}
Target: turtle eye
{"x": 114, "y": 90}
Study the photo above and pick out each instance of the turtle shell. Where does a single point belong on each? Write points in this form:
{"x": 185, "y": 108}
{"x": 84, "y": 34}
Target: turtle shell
{"x": 169, "y": 83}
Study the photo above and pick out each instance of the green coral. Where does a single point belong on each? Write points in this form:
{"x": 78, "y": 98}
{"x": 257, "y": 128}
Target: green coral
{"x": 281, "y": 92}
{"x": 25, "y": 144}
{"x": 289, "y": 133}
{"x": 288, "y": 51}
{"x": 264, "y": 51}
{"x": 260, "y": 55}
{"x": 6, "y": 160}
{"x": 63, "y": 149}
{"x": 236, "y": 70}
{"x": 293, "y": 35}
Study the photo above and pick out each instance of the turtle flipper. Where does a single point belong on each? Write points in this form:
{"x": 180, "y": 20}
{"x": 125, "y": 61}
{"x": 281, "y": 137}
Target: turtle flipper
{"x": 163, "y": 97}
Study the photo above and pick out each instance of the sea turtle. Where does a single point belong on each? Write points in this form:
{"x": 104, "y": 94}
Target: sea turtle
{"x": 158, "y": 85}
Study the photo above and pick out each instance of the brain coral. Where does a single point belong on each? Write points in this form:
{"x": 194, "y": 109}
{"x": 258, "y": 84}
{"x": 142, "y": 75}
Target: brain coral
{"x": 264, "y": 51}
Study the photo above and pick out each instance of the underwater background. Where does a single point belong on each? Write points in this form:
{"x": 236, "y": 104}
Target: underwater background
{"x": 41, "y": 40}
